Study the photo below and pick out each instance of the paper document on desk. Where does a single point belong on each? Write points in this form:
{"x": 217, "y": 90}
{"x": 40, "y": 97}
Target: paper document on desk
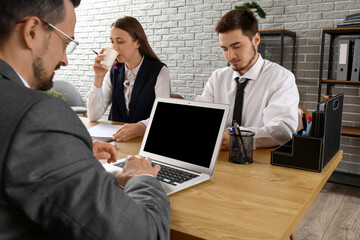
{"x": 103, "y": 132}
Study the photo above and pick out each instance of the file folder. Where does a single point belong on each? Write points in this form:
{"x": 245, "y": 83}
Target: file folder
{"x": 356, "y": 62}
{"x": 343, "y": 63}
{"x": 332, "y": 126}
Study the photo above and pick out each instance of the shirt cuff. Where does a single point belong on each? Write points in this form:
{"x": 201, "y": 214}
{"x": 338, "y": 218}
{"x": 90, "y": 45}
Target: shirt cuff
{"x": 145, "y": 122}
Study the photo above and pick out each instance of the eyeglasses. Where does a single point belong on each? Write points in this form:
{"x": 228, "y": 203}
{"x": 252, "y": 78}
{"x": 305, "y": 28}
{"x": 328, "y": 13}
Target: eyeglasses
{"x": 70, "y": 47}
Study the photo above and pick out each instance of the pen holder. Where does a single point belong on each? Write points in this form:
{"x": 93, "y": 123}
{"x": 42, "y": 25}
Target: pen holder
{"x": 241, "y": 147}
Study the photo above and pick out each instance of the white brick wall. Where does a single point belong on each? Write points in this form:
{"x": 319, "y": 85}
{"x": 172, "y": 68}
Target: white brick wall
{"x": 181, "y": 33}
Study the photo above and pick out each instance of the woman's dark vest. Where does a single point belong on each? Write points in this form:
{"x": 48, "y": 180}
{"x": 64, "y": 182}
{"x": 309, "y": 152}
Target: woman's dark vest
{"x": 143, "y": 94}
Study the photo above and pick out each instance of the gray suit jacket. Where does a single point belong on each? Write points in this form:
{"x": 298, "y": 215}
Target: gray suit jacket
{"x": 51, "y": 185}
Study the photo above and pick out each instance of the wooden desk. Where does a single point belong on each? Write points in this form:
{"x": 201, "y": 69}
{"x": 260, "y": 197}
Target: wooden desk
{"x": 255, "y": 201}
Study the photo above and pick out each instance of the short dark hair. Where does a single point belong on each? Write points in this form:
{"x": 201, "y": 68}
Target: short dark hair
{"x": 242, "y": 19}
{"x": 12, "y": 11}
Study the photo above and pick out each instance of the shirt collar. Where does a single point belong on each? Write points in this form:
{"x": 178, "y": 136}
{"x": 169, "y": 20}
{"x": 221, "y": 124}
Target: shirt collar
{"x": 253, "y": 72}
{"x": 23, "y": 80}
{"x": 135, "y": 70}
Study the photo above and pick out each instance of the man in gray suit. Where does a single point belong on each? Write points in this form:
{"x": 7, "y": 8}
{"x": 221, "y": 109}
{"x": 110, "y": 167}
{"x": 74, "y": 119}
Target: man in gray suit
{"x": 52, "y": 186}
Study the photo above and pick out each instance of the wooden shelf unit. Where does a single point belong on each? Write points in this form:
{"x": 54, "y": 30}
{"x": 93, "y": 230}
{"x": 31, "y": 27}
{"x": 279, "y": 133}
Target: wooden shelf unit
{"x": 282, "y": 33}
{"x": 350, "y": 131}
{"x": 330, "y": 83}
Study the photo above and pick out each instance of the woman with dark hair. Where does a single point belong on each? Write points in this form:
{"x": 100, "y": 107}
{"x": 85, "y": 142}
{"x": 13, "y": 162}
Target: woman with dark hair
{"x": 132, "y": 85}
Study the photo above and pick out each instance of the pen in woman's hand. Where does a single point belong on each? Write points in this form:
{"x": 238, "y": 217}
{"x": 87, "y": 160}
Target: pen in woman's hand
{"x": 114, "y": 66}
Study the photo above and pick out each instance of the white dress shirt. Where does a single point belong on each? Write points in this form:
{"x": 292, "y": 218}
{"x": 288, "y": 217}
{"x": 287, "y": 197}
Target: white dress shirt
{"x": 271, "y": 100}
{"x": 100, "y": 98}
{"x": 23, "y": 80}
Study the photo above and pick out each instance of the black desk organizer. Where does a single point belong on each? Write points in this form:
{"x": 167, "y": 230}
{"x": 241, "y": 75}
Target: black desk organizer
{"x": 313, "y": 152}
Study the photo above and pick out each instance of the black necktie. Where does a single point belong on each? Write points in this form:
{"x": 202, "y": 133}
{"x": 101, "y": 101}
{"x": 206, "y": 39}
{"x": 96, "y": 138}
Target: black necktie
{"x": 239, "y": 100}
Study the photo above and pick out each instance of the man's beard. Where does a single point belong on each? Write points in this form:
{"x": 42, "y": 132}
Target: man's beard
{"x": 43, "y": 81}
{"x": 235, "y": 68}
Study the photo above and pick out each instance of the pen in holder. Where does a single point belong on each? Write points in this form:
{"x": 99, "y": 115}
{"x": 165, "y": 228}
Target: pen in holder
{"x": 241, "y": 147}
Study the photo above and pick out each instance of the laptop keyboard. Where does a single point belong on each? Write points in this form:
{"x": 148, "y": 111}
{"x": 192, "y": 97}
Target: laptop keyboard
{"x": 168, "y": 174}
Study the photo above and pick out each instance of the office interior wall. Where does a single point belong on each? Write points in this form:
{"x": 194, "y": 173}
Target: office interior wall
{"x": 181, "y": 33}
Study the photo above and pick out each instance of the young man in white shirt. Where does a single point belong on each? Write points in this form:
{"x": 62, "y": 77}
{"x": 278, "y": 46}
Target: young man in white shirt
{"x": 271, "y": 98}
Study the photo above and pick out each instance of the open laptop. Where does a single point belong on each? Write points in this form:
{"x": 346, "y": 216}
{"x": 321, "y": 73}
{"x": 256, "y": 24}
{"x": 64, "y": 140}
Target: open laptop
{"x": 184, "y": 137}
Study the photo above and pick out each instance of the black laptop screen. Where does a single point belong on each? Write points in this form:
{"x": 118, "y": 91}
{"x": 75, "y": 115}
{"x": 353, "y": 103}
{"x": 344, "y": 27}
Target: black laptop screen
{"x": 184, "y": 132}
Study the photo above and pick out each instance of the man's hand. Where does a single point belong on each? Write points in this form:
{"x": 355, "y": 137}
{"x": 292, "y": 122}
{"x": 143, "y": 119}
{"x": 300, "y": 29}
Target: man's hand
{"x": 102, "y": 150}
{"x": 136, "y": 165}
{"x": 225, "y": 141}
{"x": 129, "y": 131}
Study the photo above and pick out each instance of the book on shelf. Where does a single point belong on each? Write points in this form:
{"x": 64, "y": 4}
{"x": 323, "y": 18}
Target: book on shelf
{"x": 352, "y": 20}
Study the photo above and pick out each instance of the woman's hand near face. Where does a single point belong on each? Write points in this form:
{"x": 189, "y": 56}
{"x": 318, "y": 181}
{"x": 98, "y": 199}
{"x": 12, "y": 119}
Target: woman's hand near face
{"x": 99, "y": 71}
